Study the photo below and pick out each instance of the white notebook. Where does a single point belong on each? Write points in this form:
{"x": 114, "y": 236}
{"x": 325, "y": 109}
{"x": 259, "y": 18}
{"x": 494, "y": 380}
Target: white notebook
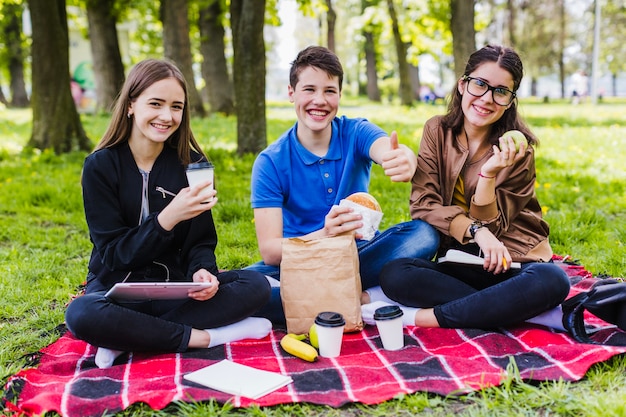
{"x": 460, "y": 257}
{"x": 236, "y": 379}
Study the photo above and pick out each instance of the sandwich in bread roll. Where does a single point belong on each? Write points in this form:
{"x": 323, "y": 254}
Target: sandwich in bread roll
{"x": 365, "y": 200}
{"x": 371, "y": 214}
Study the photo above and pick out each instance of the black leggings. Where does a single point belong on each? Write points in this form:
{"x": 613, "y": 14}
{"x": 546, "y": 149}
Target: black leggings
{"x": 466, "y": 296}
{"x": 165, "y": 325}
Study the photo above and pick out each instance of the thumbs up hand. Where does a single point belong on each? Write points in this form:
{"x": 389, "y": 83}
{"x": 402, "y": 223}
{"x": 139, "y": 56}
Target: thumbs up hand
{"x": 399, "y": 161}
{"x": 394, "y": 140}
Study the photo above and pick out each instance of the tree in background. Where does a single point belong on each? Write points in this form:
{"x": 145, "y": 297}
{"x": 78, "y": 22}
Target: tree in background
{"x": 247, "y": 21}
{"x": 147, "y": 39}
{"x": 3, "y": 99}
{"x": 463, "y": 32}
{"x": 56, "y": 123}
{"x": 331, "y": 20}
{"x": 108, "y": 68}
{"x": 219, "y": 88}
{"x": 539, "y": 36}
{"x": 371, "y": 33}
{"x": 553, "y": 37}
{"x": 561, "y": 42}
{"x": 426, "y": 24}
{"x": 613, "y": 35}
{"x": 177, "y": 47}
{"x": 535, "y": 29}
{"x": 406, "y": 88}
{"x": 15, "y": 51}
{"x": 544, "y": 32}
{"x": 423, "y": 27}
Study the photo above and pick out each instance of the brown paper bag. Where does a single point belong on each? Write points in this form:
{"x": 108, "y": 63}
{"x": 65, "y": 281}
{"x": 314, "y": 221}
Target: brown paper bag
{"x": 320, "y": 275}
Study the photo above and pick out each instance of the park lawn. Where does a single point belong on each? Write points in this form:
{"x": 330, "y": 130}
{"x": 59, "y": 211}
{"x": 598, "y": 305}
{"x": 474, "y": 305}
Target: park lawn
{"x": 581, "y": 181}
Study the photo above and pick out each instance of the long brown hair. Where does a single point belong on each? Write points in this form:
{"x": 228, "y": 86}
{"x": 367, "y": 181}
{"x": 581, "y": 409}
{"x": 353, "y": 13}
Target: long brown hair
{"x": 508, "y": 60}
{"x": 140, "y": 77}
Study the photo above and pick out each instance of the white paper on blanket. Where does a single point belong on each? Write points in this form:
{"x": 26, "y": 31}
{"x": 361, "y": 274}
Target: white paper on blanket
{"x": 237, "y": 379}
{"x": 371, "y": 218}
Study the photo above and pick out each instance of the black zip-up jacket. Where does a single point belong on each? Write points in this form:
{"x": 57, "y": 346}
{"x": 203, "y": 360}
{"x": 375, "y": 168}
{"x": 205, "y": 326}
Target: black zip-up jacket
{"x": 112, "y": 187}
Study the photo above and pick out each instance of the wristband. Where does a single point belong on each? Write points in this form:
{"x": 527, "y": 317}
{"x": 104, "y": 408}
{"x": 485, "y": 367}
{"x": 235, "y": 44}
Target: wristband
{"x": 480, "y": 174}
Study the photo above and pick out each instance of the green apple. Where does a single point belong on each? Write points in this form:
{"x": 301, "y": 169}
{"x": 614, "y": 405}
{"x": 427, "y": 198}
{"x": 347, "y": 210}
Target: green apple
{"x": 313, "y": 336}
{"x": 517, "y": 136}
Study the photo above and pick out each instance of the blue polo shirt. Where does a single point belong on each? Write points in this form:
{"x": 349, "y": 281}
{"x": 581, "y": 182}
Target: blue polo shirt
{"x": 306, "y": 186}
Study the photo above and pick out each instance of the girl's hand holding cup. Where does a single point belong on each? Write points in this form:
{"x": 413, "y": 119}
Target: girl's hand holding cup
{"x": 200, "y": 172}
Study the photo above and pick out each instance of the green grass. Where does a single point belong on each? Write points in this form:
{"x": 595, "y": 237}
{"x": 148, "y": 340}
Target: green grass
{"x": 44, "y": 246}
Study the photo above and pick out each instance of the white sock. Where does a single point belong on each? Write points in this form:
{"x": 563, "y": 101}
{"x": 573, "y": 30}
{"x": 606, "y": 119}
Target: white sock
{"x": 377, "y": 294}
{"x": 408, "y": 313}
{"x": 105, "y": 357}
{"x": 551, "y": 318}
{"x": 367, "y": 311}
{"x": 250, "y": 328}
{"x": 408, "y": 318}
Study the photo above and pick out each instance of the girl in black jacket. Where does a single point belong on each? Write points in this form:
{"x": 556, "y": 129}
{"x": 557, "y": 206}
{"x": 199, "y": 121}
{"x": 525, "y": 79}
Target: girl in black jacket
{"x": 147, "y": 224}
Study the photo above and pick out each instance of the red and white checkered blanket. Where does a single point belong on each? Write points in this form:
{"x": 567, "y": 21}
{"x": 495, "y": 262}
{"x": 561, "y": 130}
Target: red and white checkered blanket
{"x": 441, "y": 361}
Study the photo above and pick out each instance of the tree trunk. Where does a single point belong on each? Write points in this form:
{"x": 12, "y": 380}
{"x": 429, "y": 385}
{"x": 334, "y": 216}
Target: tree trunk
{"x": 370, "y": 32}
{"x": 331, "y": 18}
{"x": 562, "y": 35}
{"x": 512, "y": 20}
{"x": 463, "y": 33}
{"x": 614, "y": 84}
{"x": 247, "y": 20}
{"x": 14, "y": 46}
{"x": 3, "y": 99}
{"x": 107, "y": 60}
{"x": 416, "y": 83}
{"x": 177, "y": 47}
{"x": 405, "y": 90}
{"x": 56, "y": 123}
{"x": 214, "y": 68}
{"x": 373, "y": 92}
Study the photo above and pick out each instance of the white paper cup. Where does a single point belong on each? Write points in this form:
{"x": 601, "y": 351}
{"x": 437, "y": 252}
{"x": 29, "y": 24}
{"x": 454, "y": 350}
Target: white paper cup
{"x": 329, "y": 326}
{"x": 389, "y": 323}
{"x": 201, "y": 171}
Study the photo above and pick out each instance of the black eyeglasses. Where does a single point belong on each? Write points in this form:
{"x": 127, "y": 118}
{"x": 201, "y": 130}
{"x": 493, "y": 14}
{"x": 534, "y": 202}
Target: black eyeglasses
{"x": 478, "y": 88}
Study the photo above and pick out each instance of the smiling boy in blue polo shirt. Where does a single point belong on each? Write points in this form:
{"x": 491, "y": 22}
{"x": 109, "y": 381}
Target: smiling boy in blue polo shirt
{"x": 298, "y": 181}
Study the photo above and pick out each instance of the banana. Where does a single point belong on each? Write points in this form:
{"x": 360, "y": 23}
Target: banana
{"x": 294, "y": 345}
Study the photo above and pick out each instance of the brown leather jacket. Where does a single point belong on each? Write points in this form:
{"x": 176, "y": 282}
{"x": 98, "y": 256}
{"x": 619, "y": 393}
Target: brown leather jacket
{"x": 514, "y": 217}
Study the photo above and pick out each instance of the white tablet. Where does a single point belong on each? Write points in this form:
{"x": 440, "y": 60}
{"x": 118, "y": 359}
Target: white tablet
{"x": 154, "y": 290}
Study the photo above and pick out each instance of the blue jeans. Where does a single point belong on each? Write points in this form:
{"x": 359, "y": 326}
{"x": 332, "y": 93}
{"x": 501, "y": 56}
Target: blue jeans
{"x": 164, "y": 325}
{"x": 466, "y": 296}
{"x": 416, "y": 239}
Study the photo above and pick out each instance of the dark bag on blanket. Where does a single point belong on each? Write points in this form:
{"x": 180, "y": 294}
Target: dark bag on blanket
{"x": 606, "y": 300}
{"x": 320, "y": 275}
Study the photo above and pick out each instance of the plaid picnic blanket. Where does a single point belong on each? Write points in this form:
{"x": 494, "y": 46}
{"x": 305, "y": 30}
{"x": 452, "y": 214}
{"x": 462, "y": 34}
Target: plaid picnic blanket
{"x": 65, "y": 378}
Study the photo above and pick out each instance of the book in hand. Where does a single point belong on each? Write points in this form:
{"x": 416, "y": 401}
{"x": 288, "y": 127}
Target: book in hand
{"x": 459, "y": 257}
{"x": 236, "y": 379}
